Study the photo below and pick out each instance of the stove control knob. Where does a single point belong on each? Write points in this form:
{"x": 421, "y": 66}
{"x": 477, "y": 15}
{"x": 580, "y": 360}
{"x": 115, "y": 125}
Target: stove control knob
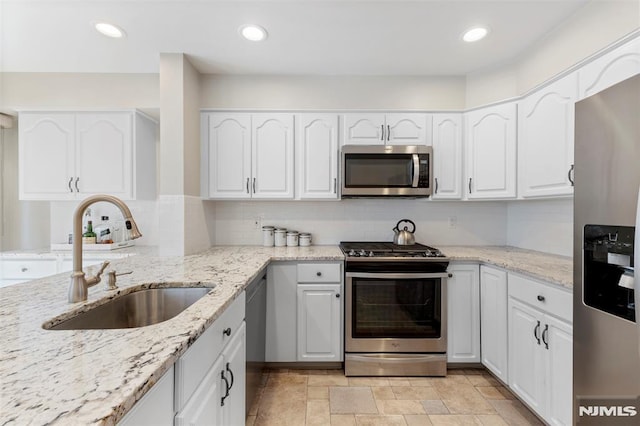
{"x": 352, "y": 252}
{"x": 363, "y": 253}
{"x": 371, "y": 254}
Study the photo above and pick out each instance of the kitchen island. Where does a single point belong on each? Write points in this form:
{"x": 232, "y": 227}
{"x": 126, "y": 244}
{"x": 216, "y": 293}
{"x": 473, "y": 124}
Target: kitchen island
{"x": 96, "y": 376}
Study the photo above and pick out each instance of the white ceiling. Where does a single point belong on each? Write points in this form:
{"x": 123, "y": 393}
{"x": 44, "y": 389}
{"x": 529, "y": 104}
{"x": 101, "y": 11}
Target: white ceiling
{"x": 347, "y": 37}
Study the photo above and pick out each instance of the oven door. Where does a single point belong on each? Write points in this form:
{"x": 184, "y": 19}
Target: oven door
{"x": 396, "y": 312}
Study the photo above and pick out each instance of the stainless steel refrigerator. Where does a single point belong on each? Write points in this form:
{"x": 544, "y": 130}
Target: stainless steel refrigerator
{"x": 606, "y": 349}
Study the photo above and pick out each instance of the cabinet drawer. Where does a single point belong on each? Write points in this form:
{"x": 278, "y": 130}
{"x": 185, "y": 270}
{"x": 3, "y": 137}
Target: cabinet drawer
{"x": 319, "y": 273}
{"x": 542, "y": 296}
{"x": 28, "y": 269}
{"x": 196, "y": 361}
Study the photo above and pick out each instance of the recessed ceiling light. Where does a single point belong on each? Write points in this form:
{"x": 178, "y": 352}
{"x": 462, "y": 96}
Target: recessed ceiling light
{"x": 475, "y": 34}
{"x": 253, "y": 32}
{"x": 109, "y": 30}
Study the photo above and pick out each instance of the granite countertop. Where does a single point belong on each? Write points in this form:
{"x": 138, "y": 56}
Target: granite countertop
{"x": 95, "y": 376}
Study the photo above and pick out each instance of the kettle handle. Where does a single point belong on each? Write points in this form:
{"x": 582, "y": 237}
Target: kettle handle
{"x": 405, "y": 220}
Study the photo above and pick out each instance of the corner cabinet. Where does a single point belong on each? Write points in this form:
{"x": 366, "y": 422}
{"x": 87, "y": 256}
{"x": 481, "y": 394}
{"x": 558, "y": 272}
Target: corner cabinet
{"x": 389, "y": 129}
{"x": 493, "y": 311}
{"x": 491, "y": 152}
{"x": 317, "y": 151}
{"x": 71, "y": 155}
{"x": 247, "y": 156}
{"x": 463, "y": 313}
{"x": 545, "y": 140}
{"x": 447, "y": 156}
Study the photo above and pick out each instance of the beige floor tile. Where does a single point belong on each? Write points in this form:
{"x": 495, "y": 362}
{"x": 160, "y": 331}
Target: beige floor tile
{"x": 343, "y": 420}
{"x": 474, "y": 371}
{"x": 282, "y": 392}
{"x": 380, "y": 420}
{"x": 417, "y": 420}
{"x": 308, "y": 372}
{"x": 514, "y": 413}
{"x": 328, "y": 380}
{"x": 251, "y": 420}
{"x": 286, "y": 379}
{"x": 318, "y": 392}
{"x": 281, "y": 411}
{"x": 400, "y": 407}
{"x": 491, "y": 420}
{"x": 415, "y": 392}
{"x": 454, "y": 420}
{"x": 352, "y": 400}
{"x": 383, "y": 392}
{"x": 318, "y": 412}
{"x": 455, "y": 371}
{"x": 399, "y": 381}
{"x": 450, "y": 380}
{"x": 336, "y": 371}
{"x": 463, "y": 399}
{"x": 507, "y": 393}
{"x": 421, "y": 381}
{"x": 490, "y": 392}
{"x": 435, "y": 406}
{"x": 479, "y": 380}
{"x": 368, "y": 381}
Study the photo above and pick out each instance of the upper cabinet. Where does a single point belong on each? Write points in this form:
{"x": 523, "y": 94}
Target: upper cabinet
{"x": 247, "y": 155}
{"x": 491, "y": 152}
{"x": 545, "y": 140}
{"x": 389, "y": 129}
{"x": 447, "y": 156}
{"x": 317, "y": 152}
{"x": 609, "y": 69}
{"x": 67, "y": 155}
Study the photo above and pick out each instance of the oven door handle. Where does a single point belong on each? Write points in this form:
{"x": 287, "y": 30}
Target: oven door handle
{"x": 416, "y": 171}
{"x": 396, "y": 276}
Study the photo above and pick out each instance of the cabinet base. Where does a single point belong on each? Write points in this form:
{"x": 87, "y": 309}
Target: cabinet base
{"x": 389, "y": 364}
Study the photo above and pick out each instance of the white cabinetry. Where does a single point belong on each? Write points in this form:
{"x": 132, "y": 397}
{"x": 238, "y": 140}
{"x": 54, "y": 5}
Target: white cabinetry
{"x": 390, "y": 129}
{"x": 493, "y": 314}
{"x": 541, "y": 348}
{"x": 247, "y": 155}
{"x": 155, "y": 408}
{"x": 491, "y": 152}
{"x": 317, "y": 151}
{"x": 545, "y": 140}
{"x": 447, "y": 156}
{"x": 463, "y": 313}
{"x": 609, "y": 69}
{"x": 64, "y": 156}
{"x": 304, "y": 312}
{"x": 15, "y": 271}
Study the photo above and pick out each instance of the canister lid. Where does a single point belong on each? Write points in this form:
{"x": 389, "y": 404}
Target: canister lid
{"x": 267, "y": 228}
{"x": 292, "y": 232}
{"x": 279, "y": 230}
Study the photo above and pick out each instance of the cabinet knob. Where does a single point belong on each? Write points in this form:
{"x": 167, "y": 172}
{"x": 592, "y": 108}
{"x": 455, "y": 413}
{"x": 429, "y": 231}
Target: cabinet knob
{"x": 227, "y": 331}
{"x": 541, "y": 298}
{"x": 319, "y": 274}
{"x": 337, "y": 295}
{"x": 24, "y": 269}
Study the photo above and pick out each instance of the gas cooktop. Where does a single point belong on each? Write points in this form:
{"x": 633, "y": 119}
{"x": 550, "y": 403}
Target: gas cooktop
{"x": 373, "y": 250}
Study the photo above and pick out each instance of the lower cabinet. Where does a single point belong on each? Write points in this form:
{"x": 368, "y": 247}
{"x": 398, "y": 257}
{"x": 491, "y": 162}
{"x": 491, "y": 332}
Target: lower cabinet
{"x": 493, "y": 311}
{"x": 319, "y": 325}
{"x": 463, "y": 313}
{"x": 155, "y": 408}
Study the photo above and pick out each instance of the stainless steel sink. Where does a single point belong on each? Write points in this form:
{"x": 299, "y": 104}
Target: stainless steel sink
{"x": 137, "y": 309}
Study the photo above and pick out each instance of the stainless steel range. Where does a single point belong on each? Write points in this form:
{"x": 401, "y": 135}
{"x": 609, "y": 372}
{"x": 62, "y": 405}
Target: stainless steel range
{"x": 395, "y": 309}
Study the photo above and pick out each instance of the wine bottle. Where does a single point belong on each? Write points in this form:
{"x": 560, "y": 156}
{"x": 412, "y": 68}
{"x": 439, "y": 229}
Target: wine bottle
{"x": 89, "y": 237}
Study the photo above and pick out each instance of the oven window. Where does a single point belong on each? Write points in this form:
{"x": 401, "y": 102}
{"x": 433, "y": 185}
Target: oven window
{"x": 407, "y": 308}
{"x": 378, "y": 170}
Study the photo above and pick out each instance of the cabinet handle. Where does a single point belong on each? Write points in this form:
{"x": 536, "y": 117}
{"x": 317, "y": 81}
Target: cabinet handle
{"x": 544, "y": 336}
{"x": 470, "y": 185}
{"x": 337, "y": 295}
{"x": 541, "y": 298}
{"x": 436, "y": 180}
{"x": 247, "y": 185}
{"x": 388, "y": 132}
{"x": 227, "y": 387}
{"x": 227, "y": 331}
{"x": 24, "y": 269}
{"x": 382, "y": 132}
{"x": 535, "y": 332}
{"x": 335, "y": 185}
{"x": 254, "y": 185}
{"x": 319, "y": 274}
{"x": 70, "y": 180}
{"x": 231, "y": 374}
{"x": 569, "y": 176}
{"x": 77, "y": 180}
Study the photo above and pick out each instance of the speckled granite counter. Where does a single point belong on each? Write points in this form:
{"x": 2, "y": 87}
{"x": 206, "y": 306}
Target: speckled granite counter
{"x": 95, "y": 376}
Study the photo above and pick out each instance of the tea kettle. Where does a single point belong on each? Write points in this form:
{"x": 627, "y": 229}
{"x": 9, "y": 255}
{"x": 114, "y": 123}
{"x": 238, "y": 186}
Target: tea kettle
{"x": 404, "y": 237}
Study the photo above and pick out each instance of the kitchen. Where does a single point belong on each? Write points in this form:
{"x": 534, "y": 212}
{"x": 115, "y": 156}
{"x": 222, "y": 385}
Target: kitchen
{"x": 180, "y": 93}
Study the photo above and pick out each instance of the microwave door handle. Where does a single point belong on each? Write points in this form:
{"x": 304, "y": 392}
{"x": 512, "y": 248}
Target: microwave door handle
{"x": 636, "y": 259}
{"x": 416, "y": 171}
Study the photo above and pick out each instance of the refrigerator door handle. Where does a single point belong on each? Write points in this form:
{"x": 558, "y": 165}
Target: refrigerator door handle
{"x": 636, "y": 259}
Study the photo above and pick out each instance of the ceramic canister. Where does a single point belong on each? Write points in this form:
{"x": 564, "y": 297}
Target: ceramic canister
{"x": 292, "y": 238}
{"x": 280, "y": 237}
{"x": 304, "y": 239}
{"x": 268, "y": 237}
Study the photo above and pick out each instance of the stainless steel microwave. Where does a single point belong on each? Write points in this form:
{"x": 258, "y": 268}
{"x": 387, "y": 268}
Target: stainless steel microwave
{"x": 386, "y": 171}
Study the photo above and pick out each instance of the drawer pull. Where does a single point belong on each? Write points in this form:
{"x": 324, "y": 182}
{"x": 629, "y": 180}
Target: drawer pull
{"x": 231, "y": 374}
{"x": 541, "y": 298}
{"x": 319, "y": 274}
{"x": 227, "y": 387}
{"x": 227, "y": 331}
{"x": 24, "y": 269}
{"x": 535, "y": 332}
{"x": 545, "y": 333}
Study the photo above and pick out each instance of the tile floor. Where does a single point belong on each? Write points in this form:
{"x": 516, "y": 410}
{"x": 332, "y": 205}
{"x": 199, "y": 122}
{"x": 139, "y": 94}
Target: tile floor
{"x": 327, "y": 397}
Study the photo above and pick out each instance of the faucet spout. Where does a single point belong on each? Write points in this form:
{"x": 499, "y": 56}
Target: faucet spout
{"x": 79, "y": 286}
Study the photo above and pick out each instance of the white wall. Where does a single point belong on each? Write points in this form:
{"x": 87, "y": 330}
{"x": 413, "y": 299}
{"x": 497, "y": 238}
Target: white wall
{"x": 476, "y": 223}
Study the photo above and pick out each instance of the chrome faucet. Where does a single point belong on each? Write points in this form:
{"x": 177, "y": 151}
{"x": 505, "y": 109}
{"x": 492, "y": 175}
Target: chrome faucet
{"x": 79, "y": 286}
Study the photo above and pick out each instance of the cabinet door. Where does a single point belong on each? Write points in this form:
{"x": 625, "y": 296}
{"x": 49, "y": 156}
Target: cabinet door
{"x": 559, "y": 377}
{"x": 272, "y": 156}
{"x": 46, "y": 156}
{"x": 104, "y": 154}
{"x": 228, "y": 149}
{"x": 447, "y": 156}
{"x": 609, "y": 69}
{"x": 493, "y": 314}
{"x": 155, "y": 408}
{"x": 491, "y": 152}
{"x": 280, "y": 345}
{"x": 319, "y": 331}
{"x": 546, "y": 127}
{"x": 363, "y": 129}
{"x": 204, "y": 407}
{"x": 317, "y": 149}
{"x": 408, "y": 129}
{"x": 463, "y": 314}
{"x": 233, "y": 410}
{"x": 526, "y": 356}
